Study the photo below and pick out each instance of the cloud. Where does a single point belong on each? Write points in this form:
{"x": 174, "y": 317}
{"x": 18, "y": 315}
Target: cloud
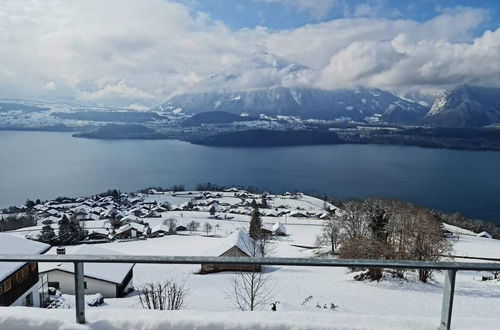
{"x": 50, "y": 86}
{"x": 317, "y": 8}
{"x": 128, "y": 52}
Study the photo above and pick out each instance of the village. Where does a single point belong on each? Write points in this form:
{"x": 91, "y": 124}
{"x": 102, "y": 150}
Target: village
{"x": 215, "y": 223}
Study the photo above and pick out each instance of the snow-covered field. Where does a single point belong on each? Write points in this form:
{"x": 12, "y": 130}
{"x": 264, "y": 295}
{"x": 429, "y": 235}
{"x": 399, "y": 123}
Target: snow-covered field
{"x": 388, "y": 304}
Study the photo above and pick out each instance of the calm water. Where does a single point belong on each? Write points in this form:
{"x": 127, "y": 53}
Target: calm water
{"x": 46, "y": 165}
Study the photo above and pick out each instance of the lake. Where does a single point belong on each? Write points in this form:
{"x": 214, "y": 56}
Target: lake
{"x": 46, "y": 165}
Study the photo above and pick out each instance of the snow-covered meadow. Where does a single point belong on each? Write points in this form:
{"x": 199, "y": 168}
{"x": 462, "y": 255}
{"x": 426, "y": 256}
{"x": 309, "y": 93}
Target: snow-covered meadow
{"x": 306, "y": 291}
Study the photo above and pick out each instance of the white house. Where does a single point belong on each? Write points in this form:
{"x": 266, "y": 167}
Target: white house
{"x": 111, "y": 280}
{"x": 20, "y": 284}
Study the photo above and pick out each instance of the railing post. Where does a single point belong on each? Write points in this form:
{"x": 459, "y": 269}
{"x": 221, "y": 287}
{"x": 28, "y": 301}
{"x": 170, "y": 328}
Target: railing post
{"x": 448, "y": 293}
{"x": 79, "y": 293}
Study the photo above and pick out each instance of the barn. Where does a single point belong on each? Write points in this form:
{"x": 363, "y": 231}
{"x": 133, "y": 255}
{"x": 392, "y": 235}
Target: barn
{"x": 238, "y": 244}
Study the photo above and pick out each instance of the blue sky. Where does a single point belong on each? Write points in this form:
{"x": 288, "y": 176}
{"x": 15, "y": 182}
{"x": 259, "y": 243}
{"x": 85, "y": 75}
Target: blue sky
{"x": 289, "y": 14}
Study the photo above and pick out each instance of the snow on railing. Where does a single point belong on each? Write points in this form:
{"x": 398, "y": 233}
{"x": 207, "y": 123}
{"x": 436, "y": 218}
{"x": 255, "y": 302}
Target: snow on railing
{"x": 451, "y": 269}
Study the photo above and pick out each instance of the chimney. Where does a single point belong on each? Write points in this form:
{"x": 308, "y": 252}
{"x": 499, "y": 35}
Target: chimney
{"x": 61, "y": 250}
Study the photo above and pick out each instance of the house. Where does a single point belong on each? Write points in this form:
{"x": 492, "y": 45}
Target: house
{"x": 20, "y": 284}
{"x": 484, "y": 234}
{"x": 299, "y": 214}
{"x": 278, "y": 229}
{"x": 97, "y": 234}
{"x": 159, "y": 230}
{"x": 181, "y": 228}
{"x": 238, "y": 244}
{"x": 110, "y": 280}
{"x": 130, "y": 230}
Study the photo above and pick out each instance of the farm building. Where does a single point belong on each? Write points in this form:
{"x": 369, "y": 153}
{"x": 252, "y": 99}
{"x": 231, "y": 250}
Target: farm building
{"x": 238, "y": 244}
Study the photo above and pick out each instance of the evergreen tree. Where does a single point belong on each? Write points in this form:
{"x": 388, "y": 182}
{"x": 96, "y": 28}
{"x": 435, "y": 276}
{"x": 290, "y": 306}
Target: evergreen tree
{"x": 263, "y": 202}
{"x": 77, "y": 233}
{"x": 48, "y": 235}
{"x": 65, "y": 234}
{"x": 255, "y": 230}
{"x": 29, "y": 203}
{"x": 212, "y": 211}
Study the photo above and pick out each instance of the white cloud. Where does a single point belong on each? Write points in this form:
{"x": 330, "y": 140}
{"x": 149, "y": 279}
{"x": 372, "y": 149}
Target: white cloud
{"x": 50, "y": 86}
{"x": 121, "y": 52}
{"x": 317, "y": 8}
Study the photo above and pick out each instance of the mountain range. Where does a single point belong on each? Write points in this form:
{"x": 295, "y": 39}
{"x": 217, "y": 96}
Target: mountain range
{"x": 464, "y": 106}
{"x": 357, "y": 104}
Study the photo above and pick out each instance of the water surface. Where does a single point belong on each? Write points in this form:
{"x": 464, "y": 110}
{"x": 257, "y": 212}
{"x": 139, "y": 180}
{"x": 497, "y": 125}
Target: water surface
{"x": 46, "y": 165}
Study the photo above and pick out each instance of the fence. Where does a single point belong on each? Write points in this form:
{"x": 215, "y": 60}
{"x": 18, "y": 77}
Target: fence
{"x": 450, "y": 269}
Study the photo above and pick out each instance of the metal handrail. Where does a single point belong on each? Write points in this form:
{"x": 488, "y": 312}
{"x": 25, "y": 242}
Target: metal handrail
{"x": 79, "y": 259}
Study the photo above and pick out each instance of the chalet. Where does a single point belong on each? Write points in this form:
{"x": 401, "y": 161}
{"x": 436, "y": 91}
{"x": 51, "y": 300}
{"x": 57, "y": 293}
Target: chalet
{"x": 159, "y": 230}
{"x": 298, "y": 214}
{"x": 181, "y": 228}
{"x": 238, "y": 244}
{"x": 20, "y": 284}
{"x": 98, "y": 234}
{"x": 278, "y": 229}
{"x": 110, "y": 280}
{"x": 130, "y": 230}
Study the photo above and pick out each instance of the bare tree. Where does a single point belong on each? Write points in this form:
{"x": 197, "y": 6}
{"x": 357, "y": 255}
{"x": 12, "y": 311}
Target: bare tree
{"x": 251, "y": 290}
{"x": 193, "y": 226}
{"x": 330, "y": 234}
{"x": 207, "y": 227}
{"x": 172, "y": 225}
{"x": 168, "y": 295}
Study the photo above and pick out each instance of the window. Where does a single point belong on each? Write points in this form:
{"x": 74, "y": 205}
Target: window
{"x": 85, "y": 285}
{"x": 54, "y": 285}
{"x": 22, "y": 274}
{"x": 7, "y": 285}
{"x": 28, "y": 301}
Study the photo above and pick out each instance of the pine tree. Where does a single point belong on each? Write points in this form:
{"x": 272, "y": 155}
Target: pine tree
{"x": 64, "y": 230}
{"x": 255, "y": 230}
{"x": 48, "y": 235}
{"x": 264, "y": 203}
{"x": 77, "y": 233}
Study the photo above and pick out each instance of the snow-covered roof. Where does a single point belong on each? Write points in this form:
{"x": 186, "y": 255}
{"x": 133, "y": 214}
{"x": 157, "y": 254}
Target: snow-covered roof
{"x": 114, "y": 273}
{"x": 240, "y": 239}
{"x": 134, "y": 225}
{"x": 278, "y": 228}
{"x": 10, "y": 244}
{"x": 484, "y": 234}
{"x": 158, "y": 228}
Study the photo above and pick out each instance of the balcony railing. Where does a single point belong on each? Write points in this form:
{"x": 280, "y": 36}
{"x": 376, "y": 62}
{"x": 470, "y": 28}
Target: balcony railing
{"x": 450, "y": 269}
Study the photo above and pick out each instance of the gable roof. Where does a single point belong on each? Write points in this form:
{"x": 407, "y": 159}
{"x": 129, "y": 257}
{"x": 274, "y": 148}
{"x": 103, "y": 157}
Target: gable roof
{"x": 241, "y": 240}
{"x": 113, "y": 273}
{"x": 10, "y": 244}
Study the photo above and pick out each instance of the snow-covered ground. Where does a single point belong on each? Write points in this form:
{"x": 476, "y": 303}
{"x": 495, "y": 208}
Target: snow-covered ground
{"x": 292, "y": 285}
{"x": 388, "y": 304}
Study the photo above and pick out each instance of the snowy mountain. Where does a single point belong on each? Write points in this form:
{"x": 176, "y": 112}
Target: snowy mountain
{"x": 465, "y": 106}
{"x": 356, "y": 104}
